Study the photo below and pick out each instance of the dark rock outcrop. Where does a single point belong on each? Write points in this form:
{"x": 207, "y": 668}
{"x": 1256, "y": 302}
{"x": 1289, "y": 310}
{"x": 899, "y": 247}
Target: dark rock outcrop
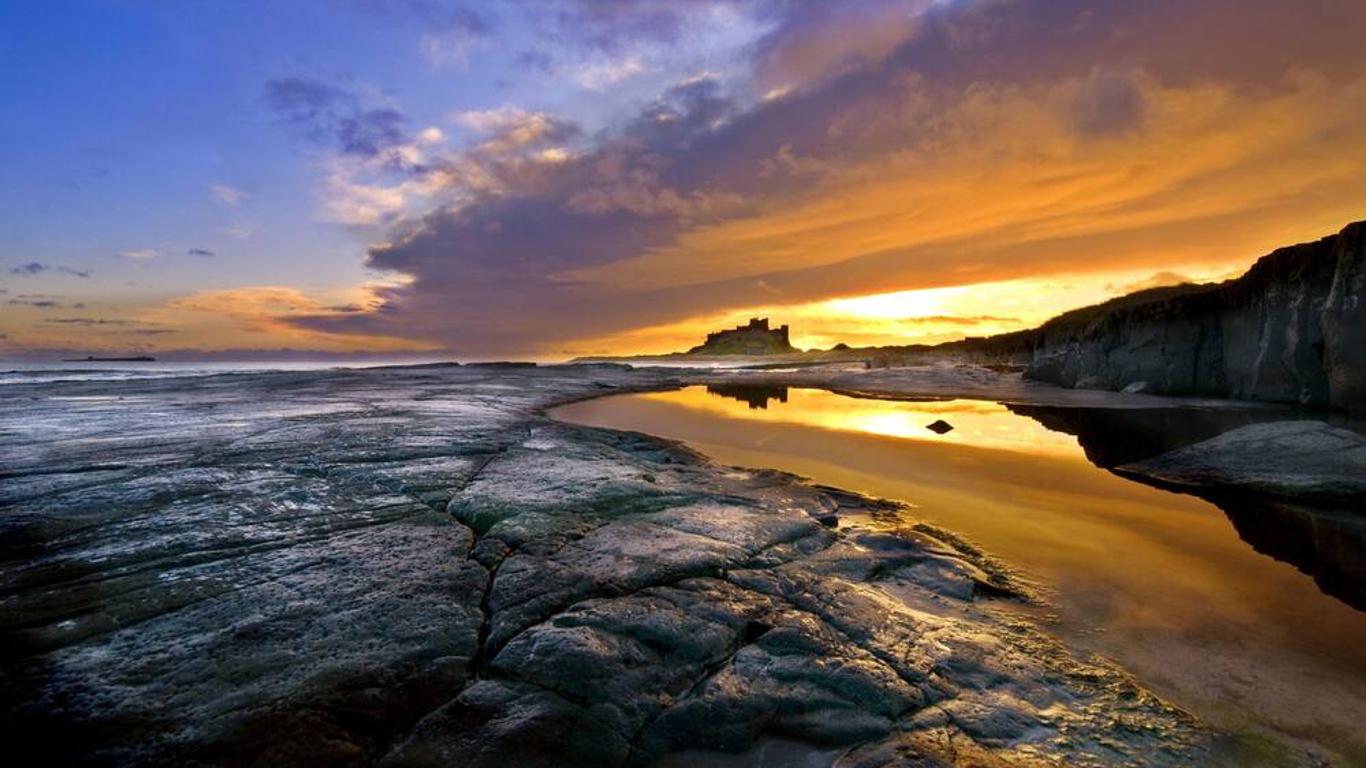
{"x": 1292, "y": 329}
{"x": 1288, "y": 459}
{"x": 756, "y": 338}
{"x": 756, "y": 396}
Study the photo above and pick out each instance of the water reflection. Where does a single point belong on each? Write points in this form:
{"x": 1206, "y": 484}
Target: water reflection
{"x": 756, "y": 396}
{"x": 1328, "y": 544}
{"x": 1113, "y": 436}
{"x": 1165, "y": 582}
{"x": 971, "y": 422}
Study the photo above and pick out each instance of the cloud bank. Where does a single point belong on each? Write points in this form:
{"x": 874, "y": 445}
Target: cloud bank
{"x": 923, "y": 145}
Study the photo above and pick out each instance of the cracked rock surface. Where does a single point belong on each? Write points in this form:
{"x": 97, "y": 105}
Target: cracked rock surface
{"x": 415, "y": 567}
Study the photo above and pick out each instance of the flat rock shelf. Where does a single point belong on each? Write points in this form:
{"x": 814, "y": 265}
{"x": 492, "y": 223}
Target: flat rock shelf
{"x": 418, "y": 567}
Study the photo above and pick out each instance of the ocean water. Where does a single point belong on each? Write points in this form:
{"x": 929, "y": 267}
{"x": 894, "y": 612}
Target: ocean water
{"x": 17, "y": 372}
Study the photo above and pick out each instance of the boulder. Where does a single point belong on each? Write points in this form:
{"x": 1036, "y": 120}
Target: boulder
{"x": 1292, "y": 459}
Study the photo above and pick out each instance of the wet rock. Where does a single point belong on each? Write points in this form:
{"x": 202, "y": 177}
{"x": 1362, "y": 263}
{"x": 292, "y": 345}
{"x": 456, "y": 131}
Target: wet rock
{"x": 1293, "y": 459}
{"x": 416, "y": 567}
{"x": 939, "y": 427}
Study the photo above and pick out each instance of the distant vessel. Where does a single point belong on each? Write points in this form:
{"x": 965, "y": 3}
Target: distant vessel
{"x": 93, "y": 359}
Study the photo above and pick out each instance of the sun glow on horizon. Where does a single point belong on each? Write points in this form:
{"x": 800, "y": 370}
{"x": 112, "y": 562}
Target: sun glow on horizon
{"x": 908, "y": 317}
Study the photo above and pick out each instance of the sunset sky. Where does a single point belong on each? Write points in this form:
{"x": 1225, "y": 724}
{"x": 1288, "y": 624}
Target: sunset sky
{"x": 552, "y": 178}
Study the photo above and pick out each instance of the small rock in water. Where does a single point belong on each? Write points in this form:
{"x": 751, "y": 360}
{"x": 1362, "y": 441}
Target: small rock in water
{"x": 939, "y": 427}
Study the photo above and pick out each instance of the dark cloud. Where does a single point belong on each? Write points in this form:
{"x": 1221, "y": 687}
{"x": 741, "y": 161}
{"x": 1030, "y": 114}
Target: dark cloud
{"x": 958, "y": 320}
{"x": 601, "y": 207}
{"x": 88, "y": 321}
{"x": 539, "y": 61}
{"x": 502, "y": 272}
{"x": 1109, "y": 104}
{"x": 367, "y": 132}
{"x": 43, "y": 301}
{"x": 303, "y": 100}
{"x": 612, "y": 25}
{"x": 119, "y": 325}
{"x": 813, "y": 39}
{"x": 683, "y": 113}
{"x": 200, "y": 252}
{"x": 334, "y": 116}
{"x": 36, "y": 268}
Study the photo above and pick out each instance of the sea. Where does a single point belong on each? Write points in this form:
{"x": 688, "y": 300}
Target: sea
{"x": 38, "y": 372}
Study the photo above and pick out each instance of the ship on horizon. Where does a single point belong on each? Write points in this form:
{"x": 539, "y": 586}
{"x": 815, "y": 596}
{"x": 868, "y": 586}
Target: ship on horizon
{"x": 93, "y": 359}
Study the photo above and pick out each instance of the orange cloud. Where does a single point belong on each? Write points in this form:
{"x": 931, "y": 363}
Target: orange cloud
{"x": 966, "y": 144}
{"x": 1003, "y": 170}
{"x": 923, "y": 316}
{"x": 261, "y": 317}
{"x": 256, "y": 317}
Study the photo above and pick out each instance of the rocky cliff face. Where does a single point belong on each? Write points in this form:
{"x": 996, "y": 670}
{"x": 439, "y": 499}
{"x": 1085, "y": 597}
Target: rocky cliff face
{"x": 1344, "y": 322}
{"x": 1293, "y": 329}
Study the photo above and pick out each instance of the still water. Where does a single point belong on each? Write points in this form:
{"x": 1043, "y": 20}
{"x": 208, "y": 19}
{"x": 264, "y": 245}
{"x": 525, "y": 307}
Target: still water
{"x": 1162, "y": 582}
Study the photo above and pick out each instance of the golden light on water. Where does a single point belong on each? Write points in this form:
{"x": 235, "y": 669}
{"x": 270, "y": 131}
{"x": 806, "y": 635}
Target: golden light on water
{"x": 1138, "y": 570}
{"x": 975, "y": 423}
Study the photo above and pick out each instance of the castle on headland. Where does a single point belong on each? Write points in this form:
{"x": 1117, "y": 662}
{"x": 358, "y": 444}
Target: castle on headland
{"x": 753, "y": 339}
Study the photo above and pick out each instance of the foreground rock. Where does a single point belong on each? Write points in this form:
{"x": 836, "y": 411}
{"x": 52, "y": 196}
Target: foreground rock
{"x": 416, "y": 567}
{"x": 1292, "y": 459}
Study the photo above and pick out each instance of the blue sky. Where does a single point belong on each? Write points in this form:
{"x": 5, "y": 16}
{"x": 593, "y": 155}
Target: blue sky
{"x": 130, "y": 115}
{"x": 395, "y": 174}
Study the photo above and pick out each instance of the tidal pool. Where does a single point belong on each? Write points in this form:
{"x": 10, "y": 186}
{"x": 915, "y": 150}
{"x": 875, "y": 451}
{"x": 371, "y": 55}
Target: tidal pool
{"x": 1174, "y": 587}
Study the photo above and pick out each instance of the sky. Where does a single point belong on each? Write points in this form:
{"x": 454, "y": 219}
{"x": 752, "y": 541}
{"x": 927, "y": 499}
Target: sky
{"x": 551, "y": 178}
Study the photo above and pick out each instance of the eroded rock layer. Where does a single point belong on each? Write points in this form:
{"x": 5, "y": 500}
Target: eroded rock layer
{"x": 417, "y": 567}
{"x": 1293, "y": 329}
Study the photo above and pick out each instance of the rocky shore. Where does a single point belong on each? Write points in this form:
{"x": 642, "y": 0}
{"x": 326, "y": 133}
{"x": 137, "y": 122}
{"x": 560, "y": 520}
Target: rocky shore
{"x": 1292, "y": 330}
{"x": 418, "y": 567}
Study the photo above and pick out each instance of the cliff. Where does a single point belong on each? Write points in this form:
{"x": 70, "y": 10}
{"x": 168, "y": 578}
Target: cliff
{"x": 1292, "y": 329}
